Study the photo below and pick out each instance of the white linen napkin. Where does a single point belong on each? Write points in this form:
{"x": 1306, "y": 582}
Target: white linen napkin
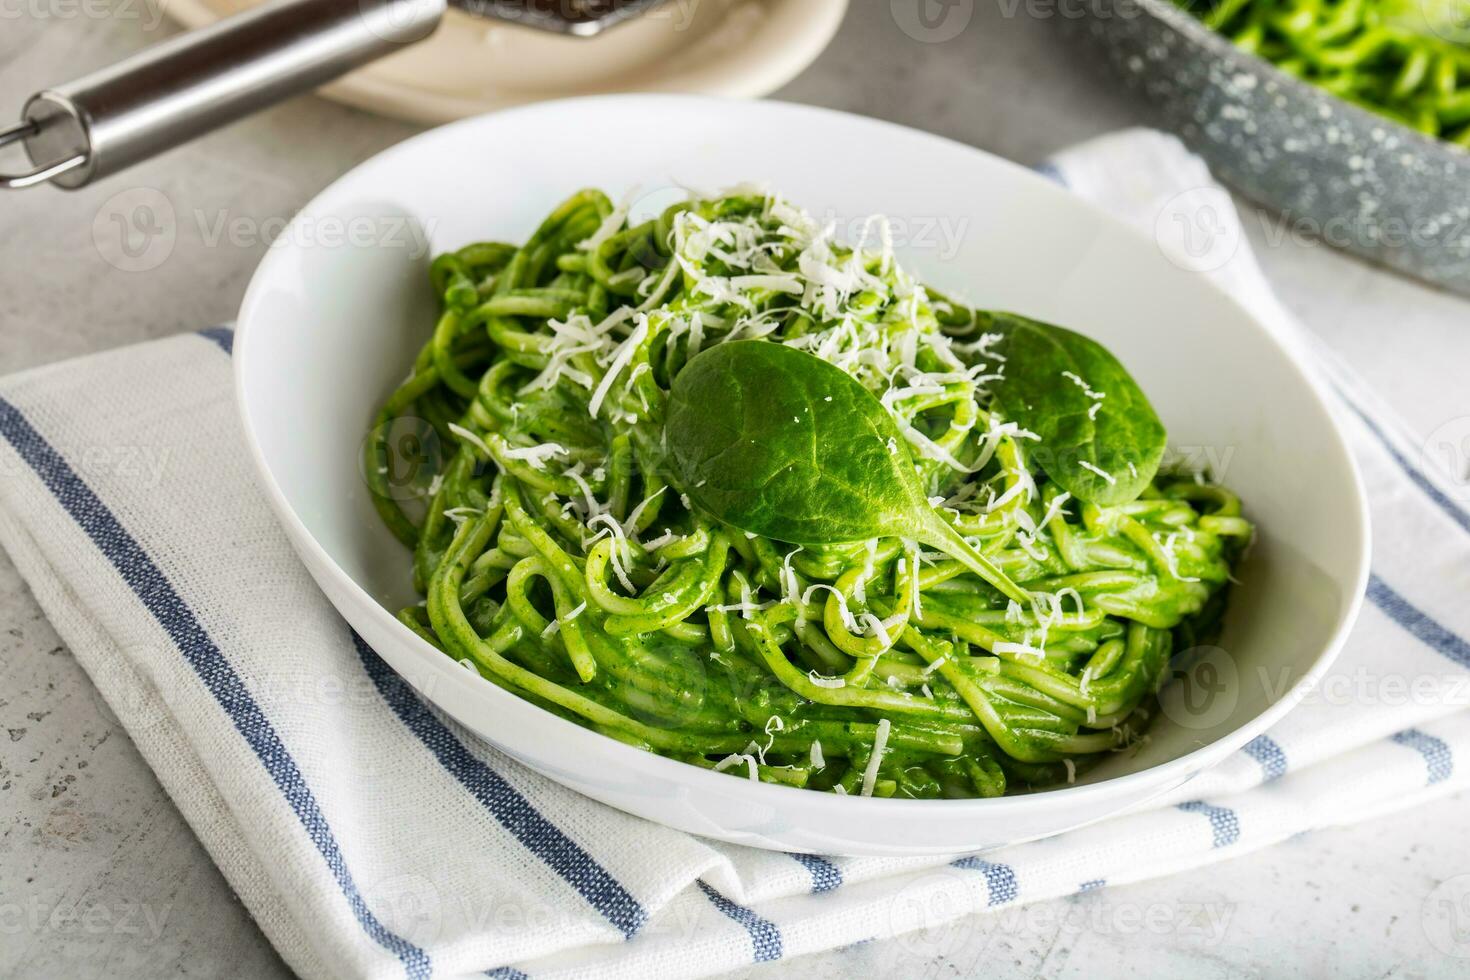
{"x": 371, "y": 837}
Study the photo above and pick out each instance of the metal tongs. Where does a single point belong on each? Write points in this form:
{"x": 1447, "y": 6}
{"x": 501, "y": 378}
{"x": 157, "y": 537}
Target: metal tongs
{"x": 205, "y": 79}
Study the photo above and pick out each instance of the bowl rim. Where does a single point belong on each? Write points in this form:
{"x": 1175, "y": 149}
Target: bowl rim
{"x": 1157, "y": 777}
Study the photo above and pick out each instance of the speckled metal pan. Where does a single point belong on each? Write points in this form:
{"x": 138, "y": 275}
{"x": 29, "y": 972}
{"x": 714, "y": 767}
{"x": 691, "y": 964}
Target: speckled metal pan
{"x": 1330, "y": 169}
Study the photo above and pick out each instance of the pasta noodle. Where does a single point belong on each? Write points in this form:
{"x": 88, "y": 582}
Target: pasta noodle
{"x": 1405, "y": 59}
{"x": 558, "y": 560}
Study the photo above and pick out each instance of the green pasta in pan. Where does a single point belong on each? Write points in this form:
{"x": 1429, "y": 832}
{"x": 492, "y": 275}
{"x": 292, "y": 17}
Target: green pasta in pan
{"x": 1404, "y": 59}
{"x": 726, "y": 489}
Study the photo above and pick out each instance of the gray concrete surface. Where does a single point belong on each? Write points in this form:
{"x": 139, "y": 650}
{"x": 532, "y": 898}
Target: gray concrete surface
{"x": 100, "y": 877}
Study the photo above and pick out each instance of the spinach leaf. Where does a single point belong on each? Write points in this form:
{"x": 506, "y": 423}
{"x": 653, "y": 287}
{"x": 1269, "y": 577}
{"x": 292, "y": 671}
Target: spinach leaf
{"x": 1100, "y": 438}
{"x": 777, "y": 442}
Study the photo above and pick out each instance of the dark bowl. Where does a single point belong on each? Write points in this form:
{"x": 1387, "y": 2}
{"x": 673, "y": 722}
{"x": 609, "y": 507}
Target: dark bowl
{"x": 1330, "y": 169}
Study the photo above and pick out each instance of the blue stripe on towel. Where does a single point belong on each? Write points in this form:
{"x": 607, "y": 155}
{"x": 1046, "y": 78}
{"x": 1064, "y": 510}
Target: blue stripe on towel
{"x": 516, "y": 814}
{"x": 157, "y": 595}
{"x": 1426, "y": 629}
{"x": 1000, "y": 879}
{"x": 765, "y": 936}
{"x": 1223, "y": 821}
{"x": 1052, "y": 172}
{"x": 1092, "y": 884}
{"x": 1416, "y": 475}
{"x": 825, "y": 875}
{"x": 224, "y": 337}
{"x": 1438, "y": 758}
{"x": 1263, "y": 749}
{"x": 505, "y": 973}
{"x": 514, "y": 811}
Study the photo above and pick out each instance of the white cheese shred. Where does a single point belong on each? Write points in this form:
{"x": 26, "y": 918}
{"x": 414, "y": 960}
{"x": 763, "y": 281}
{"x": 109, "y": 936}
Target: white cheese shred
{"x": 1098, "y": 470}
{"x": 880, "y": 743}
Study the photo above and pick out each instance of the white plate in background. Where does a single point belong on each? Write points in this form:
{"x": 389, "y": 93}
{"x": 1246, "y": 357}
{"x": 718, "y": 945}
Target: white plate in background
{"x": 325, "y": 333}
{"x": 472, "y": 65}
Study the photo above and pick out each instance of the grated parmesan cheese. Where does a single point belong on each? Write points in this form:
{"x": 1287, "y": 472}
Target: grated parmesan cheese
{"x": 880, "y": 743}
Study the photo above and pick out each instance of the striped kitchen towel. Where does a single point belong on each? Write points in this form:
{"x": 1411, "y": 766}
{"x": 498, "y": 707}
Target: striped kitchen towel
{"x": 369, "y": 836}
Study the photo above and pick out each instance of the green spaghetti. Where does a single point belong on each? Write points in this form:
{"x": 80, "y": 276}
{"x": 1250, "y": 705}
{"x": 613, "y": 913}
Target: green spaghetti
{"x": 1405, "y": 59}
{"x": 725, "y": 489}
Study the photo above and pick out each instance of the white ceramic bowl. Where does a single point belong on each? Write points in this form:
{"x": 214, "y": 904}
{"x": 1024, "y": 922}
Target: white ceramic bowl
{"x": 334, "y": 316}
